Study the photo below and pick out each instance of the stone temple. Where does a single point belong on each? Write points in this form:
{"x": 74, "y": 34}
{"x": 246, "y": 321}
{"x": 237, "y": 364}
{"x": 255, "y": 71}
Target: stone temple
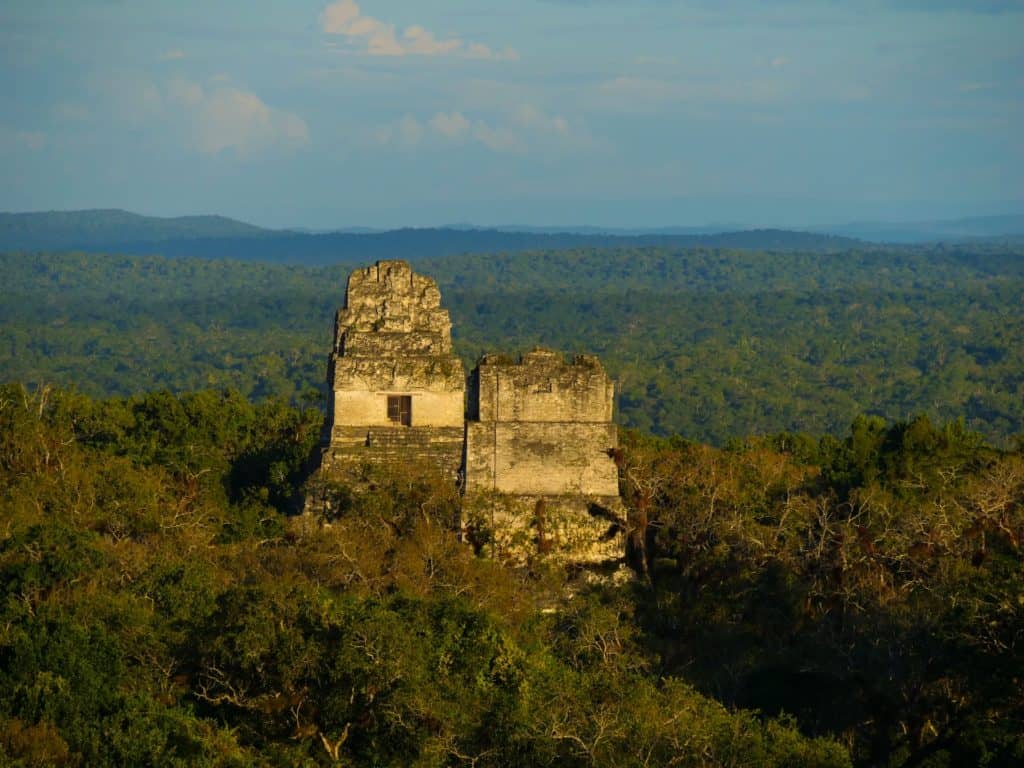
{"x": 529, "y": 439}
{"x": 397, "y": 389}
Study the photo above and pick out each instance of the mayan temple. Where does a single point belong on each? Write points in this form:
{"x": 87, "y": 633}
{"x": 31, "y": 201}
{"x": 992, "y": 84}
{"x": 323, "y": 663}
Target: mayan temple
{"x": 539, "y": 433}
{"x": 529, "y": 443}
{"x": 397, "y": 389}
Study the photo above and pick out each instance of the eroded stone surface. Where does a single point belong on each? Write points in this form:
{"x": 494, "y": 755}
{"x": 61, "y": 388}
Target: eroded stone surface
{"x": 541, "y": 425}
{"x": 530, "y": 445}
{"x": 392, "y": 339}
{"x": 539, "y": 434}
{"x": 569, "y": 529}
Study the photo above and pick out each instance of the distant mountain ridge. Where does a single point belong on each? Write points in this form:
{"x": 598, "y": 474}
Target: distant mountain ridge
{"x": 211, "y": 236}
{"x": 61, "y": 230}
{"x": 1010, "y": 227}
{"x": 115, "y": 231}
{"x": 415, "y": 244}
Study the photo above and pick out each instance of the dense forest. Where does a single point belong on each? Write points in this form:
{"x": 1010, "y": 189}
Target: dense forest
{"x": 855, "y": 598}
{"x": 707, "y": 343}
{"x": 795, "y": 602}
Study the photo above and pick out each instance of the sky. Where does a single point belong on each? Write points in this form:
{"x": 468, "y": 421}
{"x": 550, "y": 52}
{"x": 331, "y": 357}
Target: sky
{"x": 386, "y": 113}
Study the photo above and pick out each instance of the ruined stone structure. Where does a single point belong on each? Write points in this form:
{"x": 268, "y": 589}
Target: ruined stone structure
{"x": 540, "y": 430}
{"x": 530, "y": 445}
{"x": 397, "y": 389}
{"x": 540, "y": 426}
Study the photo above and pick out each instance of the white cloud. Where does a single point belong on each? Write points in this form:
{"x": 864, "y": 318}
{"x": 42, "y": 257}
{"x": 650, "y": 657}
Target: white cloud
{"x": 420, "y": 41}
{"x": 407, "y": 133}
{"x": 517, "y": 132}
{"x": 499, "y": 138}
{"x": 234, "y": 119}
{"x": 481, "y": 51}
{"x": 529, "y": 116}
{"x": 172, "y": 55}
{"x": 208, "y": 117}
{"x": 451, "y": 126}
{"x": 345, "y": 18}
{"x": 185, "y": 93}
{"x": 337, "y": 18}
{"x": 211, "y": 117}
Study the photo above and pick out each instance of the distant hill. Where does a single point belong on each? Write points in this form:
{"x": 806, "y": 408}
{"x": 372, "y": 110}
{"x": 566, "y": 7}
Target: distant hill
{"x": 104, "y": 228}
{"x": 118, "y": 231}
{"x": 710, "y": 229}
{"x": 1010, "y": 228}
{"x": 214, "y": 237}
{"x": 414, "y": 244}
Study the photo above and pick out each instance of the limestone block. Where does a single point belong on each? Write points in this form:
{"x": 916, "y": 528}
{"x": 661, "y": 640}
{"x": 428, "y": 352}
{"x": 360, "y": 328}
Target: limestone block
{"x": 368, "y": 408}
{"x": 393, "y": 339}
{"x": 541, "y": 425}
{"x": 542, "y": 387}
{"x": 541, "y": 458}
{"x": 437, "y": 374}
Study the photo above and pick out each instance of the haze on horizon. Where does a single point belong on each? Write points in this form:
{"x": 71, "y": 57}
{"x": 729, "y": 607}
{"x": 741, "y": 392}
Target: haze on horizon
{"x": 391, "y": 113}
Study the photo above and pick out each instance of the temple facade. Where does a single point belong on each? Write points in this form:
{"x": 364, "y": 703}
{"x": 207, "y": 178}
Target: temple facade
{"x": 540, "y": 426}
{"x": 397, "y": 388}
{"x": 529, "y": 440}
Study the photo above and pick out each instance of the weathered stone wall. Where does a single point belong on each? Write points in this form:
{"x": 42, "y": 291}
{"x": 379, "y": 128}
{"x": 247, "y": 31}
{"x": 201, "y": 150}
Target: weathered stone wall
{"x": 532, "y": 442}
{"x": 542, "y": 387}
{"x": 361, "y": 385}
{"x": 537, "y": 470}
{"x": 541, "y": 458}
{"x": 393, "y": 338}
{"x": 368, "y": 408}
{"x": 415, "y": 448}
{"x": 541, "y": 426}
{"x": 389, "y": 298}
{"x": 569, "y": 530}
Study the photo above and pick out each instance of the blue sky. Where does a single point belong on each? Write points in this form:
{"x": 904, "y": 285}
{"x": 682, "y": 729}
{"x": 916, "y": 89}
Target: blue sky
{"x": 389, "y": 112}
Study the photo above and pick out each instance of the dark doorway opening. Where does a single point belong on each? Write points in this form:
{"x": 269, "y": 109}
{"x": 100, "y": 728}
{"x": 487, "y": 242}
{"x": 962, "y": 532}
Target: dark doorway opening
{"x": 400, "y": 409}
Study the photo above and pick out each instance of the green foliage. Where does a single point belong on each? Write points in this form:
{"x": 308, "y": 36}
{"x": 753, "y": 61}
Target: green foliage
{"x": 799, "y": 600}
{"x": 144, "y": 622}
{"x": 708, "y": 343}
{"x": 873, "y": 593}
